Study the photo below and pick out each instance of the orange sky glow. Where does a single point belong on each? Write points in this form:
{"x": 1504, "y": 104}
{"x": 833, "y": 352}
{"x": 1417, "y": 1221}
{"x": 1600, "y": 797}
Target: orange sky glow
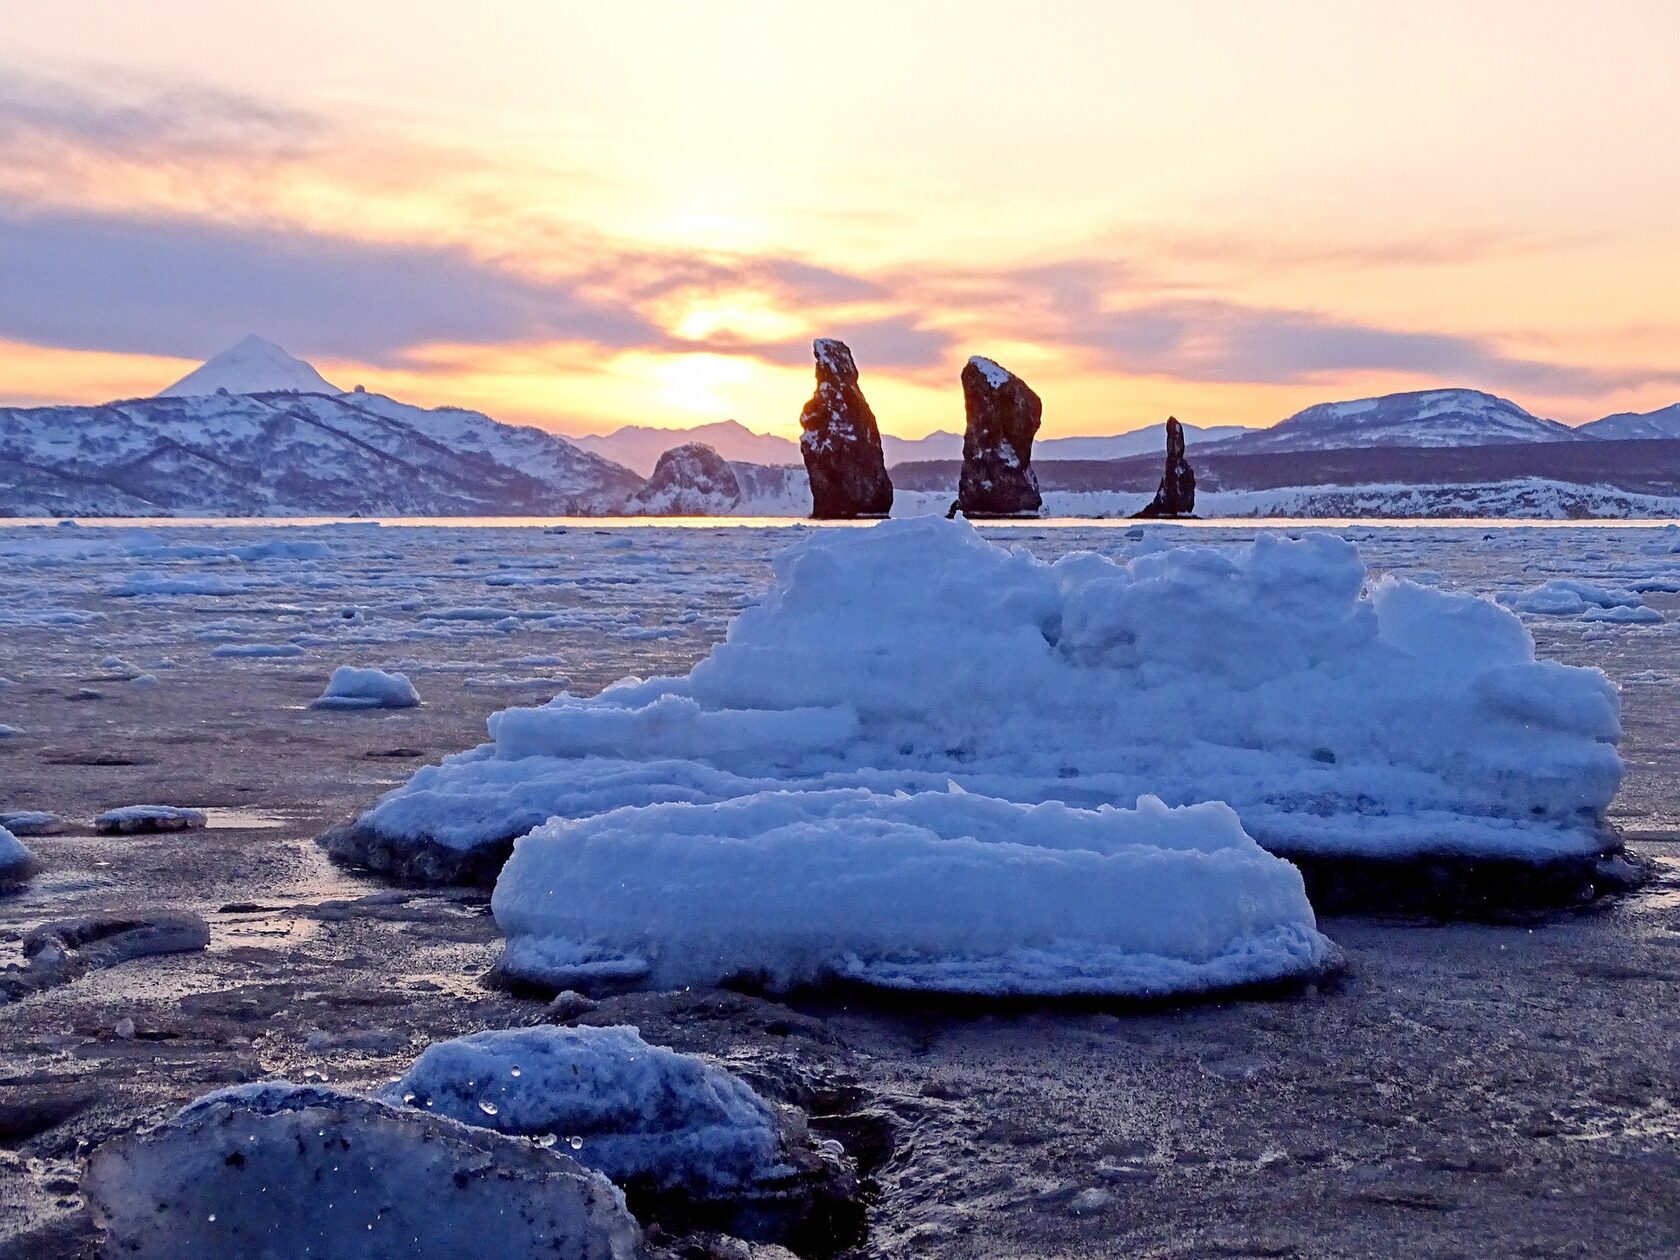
{"x": 588, "y": 216}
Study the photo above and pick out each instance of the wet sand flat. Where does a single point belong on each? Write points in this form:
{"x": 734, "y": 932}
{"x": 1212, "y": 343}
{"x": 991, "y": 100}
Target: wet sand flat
{"x": 1466, "y": 1090}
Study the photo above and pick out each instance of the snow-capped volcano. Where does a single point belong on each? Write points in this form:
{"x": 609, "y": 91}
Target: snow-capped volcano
{"x": 1431, "y": 417}
{"x": 251, "y": 366}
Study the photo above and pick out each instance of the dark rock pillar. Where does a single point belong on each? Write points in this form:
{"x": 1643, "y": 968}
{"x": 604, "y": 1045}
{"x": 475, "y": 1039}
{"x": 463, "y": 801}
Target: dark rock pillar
{"x": 1177, "y": 495}
{"x": 1003, "y": 415}
{"x": 841, "y": 443}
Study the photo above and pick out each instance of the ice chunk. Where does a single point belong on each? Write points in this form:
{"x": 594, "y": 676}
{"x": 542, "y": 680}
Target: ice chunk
{"x": 31, "y": 822}
{"x": 352, "y": 688}
{"x": 286, "y": 1170}
{"x": 17, "y": 863}
{"x": 132, "y": 819}
{"x": 638, "y": 1113}
{"x": 938, "y": 892}
{"x": 257, "y": 650}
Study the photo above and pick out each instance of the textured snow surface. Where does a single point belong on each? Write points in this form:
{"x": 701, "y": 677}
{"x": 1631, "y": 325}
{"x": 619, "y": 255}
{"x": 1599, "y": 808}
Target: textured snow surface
{"x": 1334, "y": 713}
{"x": 996, "y": 376}
{"x": 942, "y": 892}
{"x": 280, "y": 1170}
{"x": 353, "y": 688}
{"x": 635, "y": 1112}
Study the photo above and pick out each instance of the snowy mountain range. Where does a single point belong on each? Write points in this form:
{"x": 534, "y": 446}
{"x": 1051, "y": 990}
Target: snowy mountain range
{"x": 255, "y": 431}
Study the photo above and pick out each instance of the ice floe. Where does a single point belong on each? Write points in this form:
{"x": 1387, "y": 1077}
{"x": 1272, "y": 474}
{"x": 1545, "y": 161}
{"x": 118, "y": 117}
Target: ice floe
{"x": 936, "y": 892}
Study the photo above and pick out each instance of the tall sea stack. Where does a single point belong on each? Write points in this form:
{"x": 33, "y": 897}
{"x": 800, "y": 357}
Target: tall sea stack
{"x": 840, "y": 441}
{"x": 1003, "y": 415}
{"x": 1177, "y": 495}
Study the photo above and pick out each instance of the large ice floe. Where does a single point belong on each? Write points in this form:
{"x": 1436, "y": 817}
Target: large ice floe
{"x": 286, "y": 1170}
{"x": 1353, "y": 725}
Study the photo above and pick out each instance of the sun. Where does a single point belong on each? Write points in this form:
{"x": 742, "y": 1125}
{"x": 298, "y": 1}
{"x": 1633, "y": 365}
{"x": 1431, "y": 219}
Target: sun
{"x": 689, "y": 382}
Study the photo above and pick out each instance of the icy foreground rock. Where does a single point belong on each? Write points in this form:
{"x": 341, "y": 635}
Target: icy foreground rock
{"x": 941, "y": 892}
{"x": 280, "y": 1170}
{"x": 687, "y": 1141}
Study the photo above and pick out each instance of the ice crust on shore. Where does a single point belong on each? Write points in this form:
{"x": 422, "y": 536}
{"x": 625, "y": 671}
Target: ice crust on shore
{"x": 1334, "y": 713}
{"x": 937, "y": 892}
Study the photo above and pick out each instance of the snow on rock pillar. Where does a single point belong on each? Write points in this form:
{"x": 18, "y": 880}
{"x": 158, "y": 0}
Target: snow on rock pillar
{"x": 1177, "y": 493}
{"x": 1003, "y": 415}
{"x": 840, "y": 441}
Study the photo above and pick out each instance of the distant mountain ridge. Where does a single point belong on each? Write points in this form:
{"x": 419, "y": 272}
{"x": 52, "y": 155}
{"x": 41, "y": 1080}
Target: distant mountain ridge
{"x": 1663, "y": 423}
{"x": 1419, "y": 418}
{"x": 639, "y": 446}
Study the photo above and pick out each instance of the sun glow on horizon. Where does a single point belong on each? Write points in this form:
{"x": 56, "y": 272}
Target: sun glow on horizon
{"x": 1162, "y": 217}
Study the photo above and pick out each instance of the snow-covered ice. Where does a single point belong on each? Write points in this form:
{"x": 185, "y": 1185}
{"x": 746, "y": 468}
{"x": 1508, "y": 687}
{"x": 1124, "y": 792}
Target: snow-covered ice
{"x": 1338, "y": 714}
{"x": 939, "y": 892}
{"x": 353, "y": 688}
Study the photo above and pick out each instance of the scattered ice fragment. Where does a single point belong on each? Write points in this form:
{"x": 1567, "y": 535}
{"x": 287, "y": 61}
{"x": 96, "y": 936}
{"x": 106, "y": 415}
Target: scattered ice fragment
{"x": 353, "y": 688}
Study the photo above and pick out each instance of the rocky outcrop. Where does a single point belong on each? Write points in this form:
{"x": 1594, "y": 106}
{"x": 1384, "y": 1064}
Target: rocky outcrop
{"x": 1177, "y": 493}
{"x": 688, "y": 480}
{"x": 841, "y": 442}
{"x": 1003, "y": 415}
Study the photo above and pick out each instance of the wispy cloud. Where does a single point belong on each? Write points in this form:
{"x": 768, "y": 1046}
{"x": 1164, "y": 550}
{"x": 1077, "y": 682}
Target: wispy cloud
{"x": 166, "y": 218}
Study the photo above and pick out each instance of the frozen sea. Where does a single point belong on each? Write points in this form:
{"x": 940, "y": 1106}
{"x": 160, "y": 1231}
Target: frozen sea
{"x": 1482, "y": 1090}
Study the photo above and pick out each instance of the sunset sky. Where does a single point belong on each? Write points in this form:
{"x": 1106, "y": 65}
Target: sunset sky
{"x": 583, "y": 216}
